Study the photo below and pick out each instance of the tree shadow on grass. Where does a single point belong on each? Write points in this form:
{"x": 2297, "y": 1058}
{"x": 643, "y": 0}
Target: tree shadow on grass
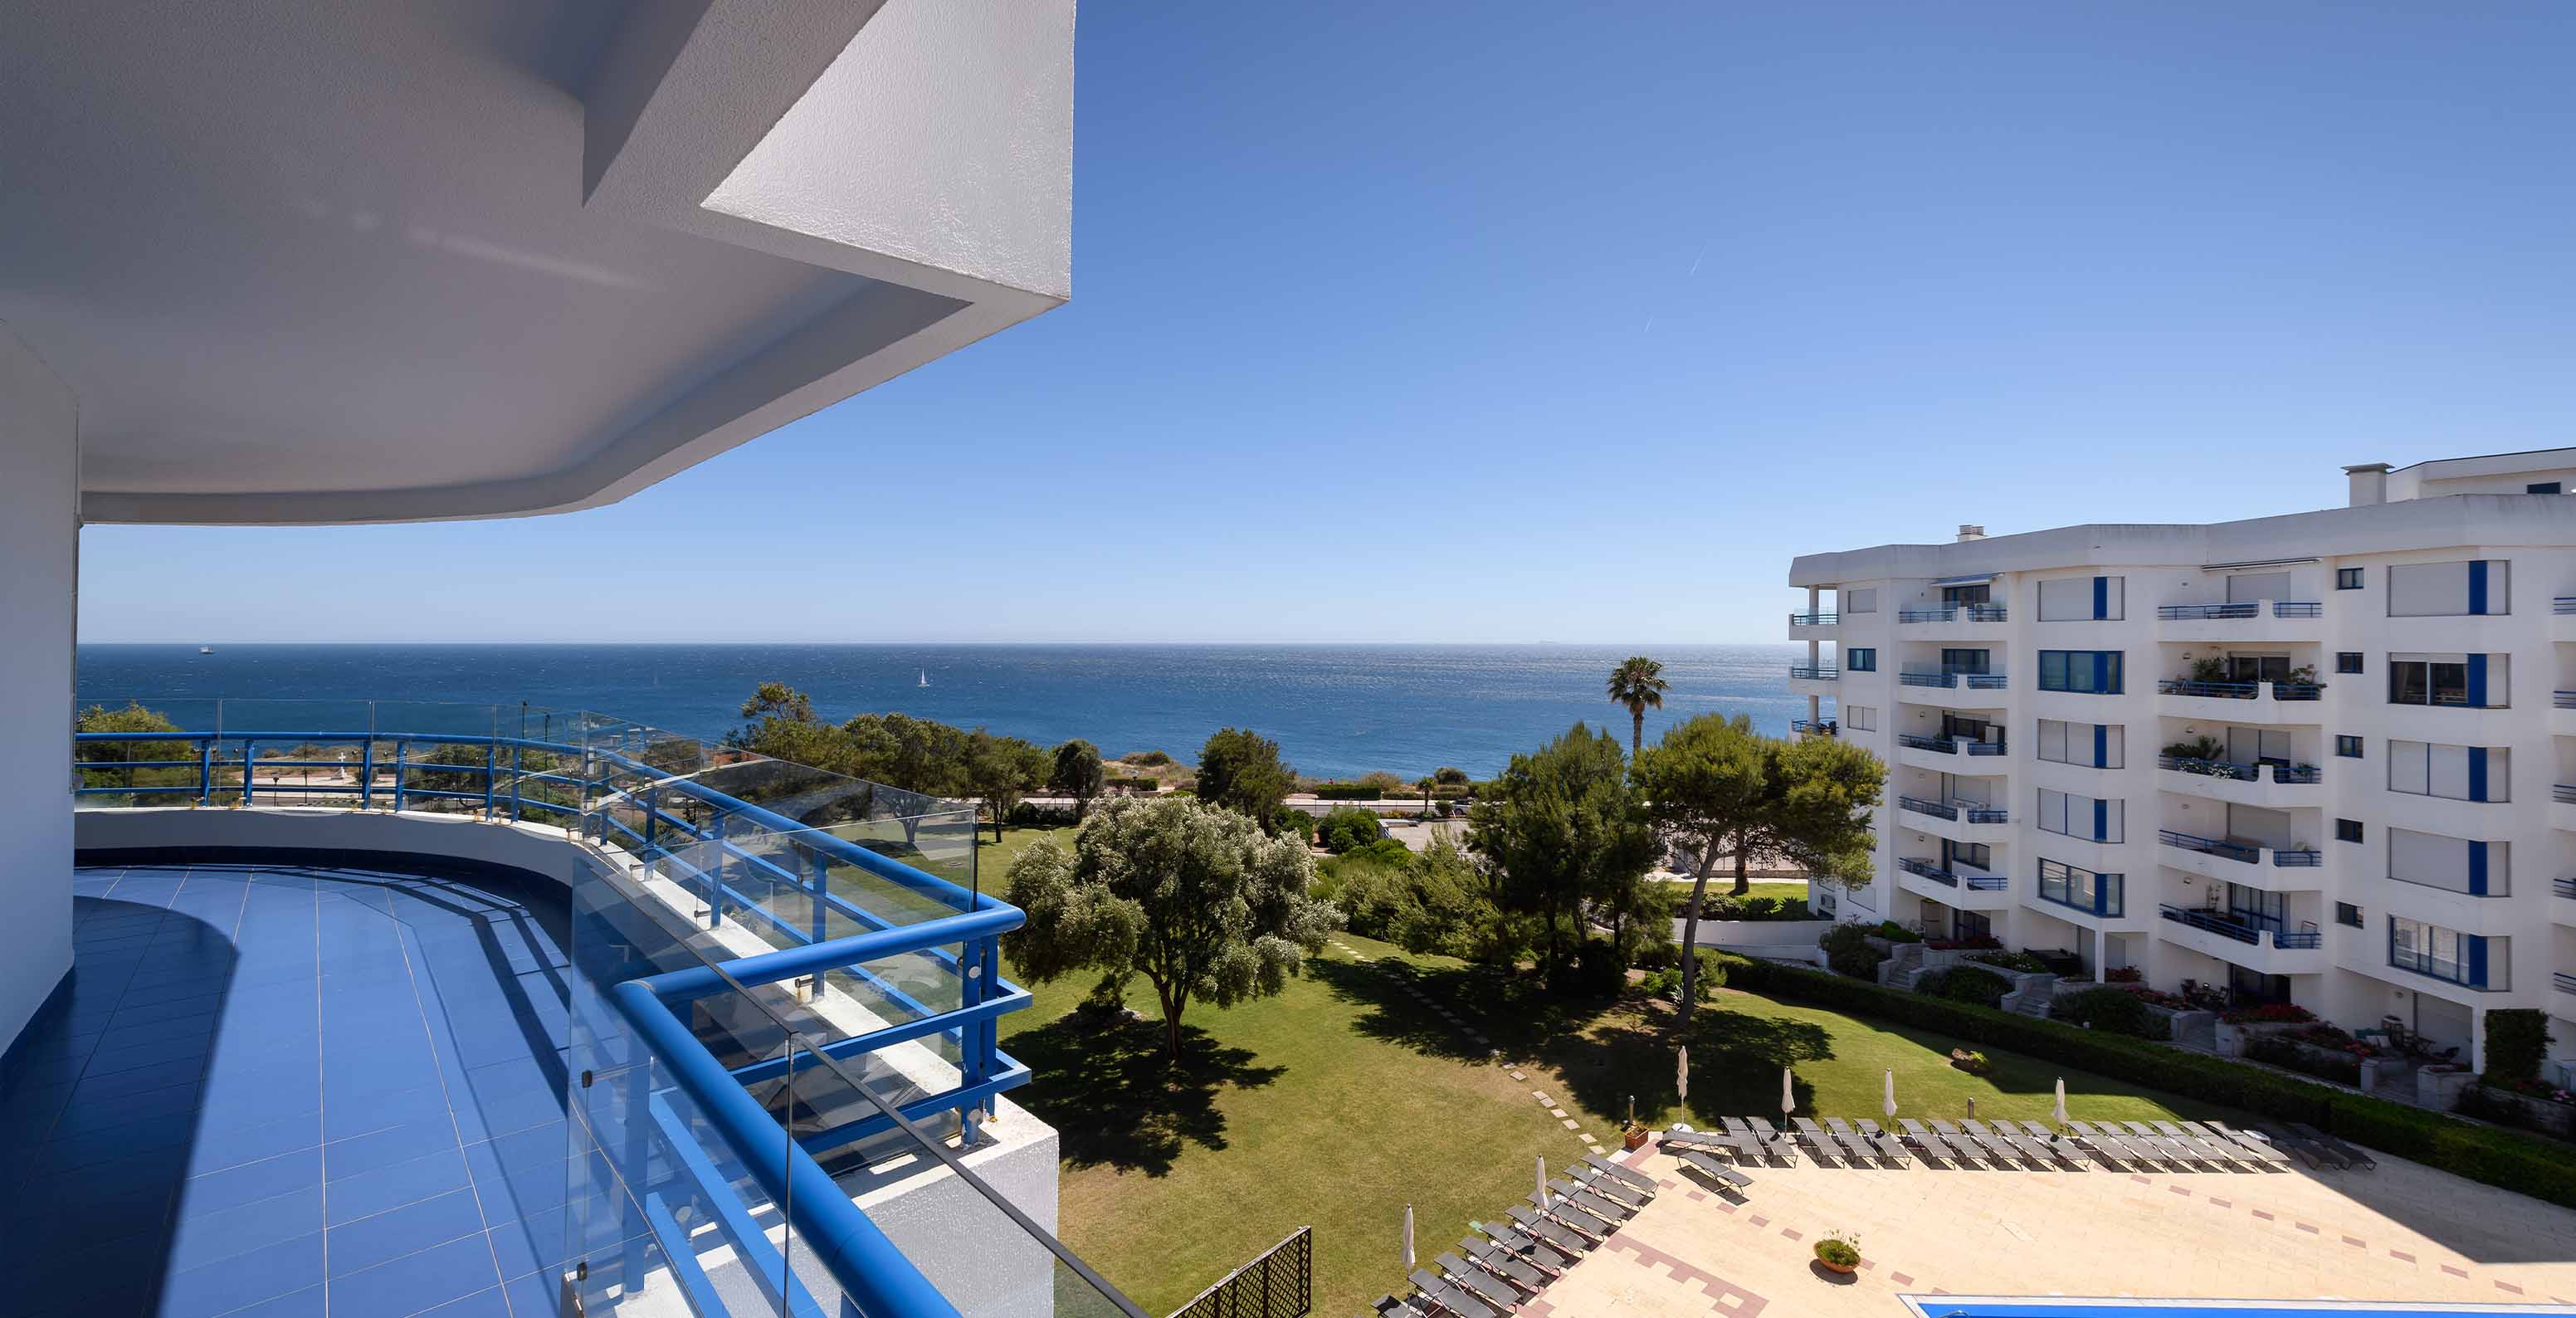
{"x": 1736, "y": 1059}
{"x": 1514, "y": 1012}
{"x": 1115, "y": 1097}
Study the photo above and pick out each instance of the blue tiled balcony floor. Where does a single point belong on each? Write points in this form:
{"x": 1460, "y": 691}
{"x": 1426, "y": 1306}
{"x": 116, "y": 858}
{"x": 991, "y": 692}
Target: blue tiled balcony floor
{"x": 280, "y": 1091}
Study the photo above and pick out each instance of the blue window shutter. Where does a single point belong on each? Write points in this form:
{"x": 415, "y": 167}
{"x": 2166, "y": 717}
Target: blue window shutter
{"x": 2477, "y": 681}
{"x": 2477, "y": 869}
{"x": 2477, "y": 585}
{"x": 2101, "y": 598}
{"x": 2101, "y": 745}
{"x": 2477, "y": 773}
{"x": 2101, "y": 819}
{"x": 2474, "y": 949}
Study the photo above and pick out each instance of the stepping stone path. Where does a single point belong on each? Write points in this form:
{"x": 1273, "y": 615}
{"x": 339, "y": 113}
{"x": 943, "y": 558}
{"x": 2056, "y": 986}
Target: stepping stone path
{"x": 1405, "y": 982}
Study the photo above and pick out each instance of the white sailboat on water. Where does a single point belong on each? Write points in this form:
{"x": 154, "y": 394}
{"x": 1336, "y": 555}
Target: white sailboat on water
{"x": 925, "y": 678}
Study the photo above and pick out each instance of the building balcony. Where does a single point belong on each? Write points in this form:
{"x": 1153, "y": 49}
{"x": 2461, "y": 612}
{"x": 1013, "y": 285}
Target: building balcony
{"x": 2562, "y": 713}
{"x": 1959, "y": 622}
{"x": 2276, "y": 786}
{"x": 1814, "y": 727}
{"x": 1963, "y": 889}
{"x": 2263, "y": 950}
{"x": 1813, "y": 679}
{"x": 2562, "y": 807}
{"x": 2562, "y": 981}
{"x": 2268, "y": 703}
{"x": 2563, "y": 910}
{"x": 2562, "y": 618}
{"x": 2298, "y": 869}
{"x": 2285, "y": 621}
{"x": 1958, "y": 821}
{"x": 550, "y": 935}
{"x": 1949, "y": 754}
{"x": 1819, "y": 626}
{"x": 1951, "y": 690}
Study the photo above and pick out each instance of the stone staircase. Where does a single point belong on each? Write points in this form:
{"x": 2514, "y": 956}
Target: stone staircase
{"x": 2032, "y": 994}
{"x": 2196, "y": 1031}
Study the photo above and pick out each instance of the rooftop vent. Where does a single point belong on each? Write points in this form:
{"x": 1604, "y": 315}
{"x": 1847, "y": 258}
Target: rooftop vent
{"x": 2369, "y": 483}
{"x": 1968, "y": 533}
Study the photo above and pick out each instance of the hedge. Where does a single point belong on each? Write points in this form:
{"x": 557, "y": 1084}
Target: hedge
{"x": 2501, "y": 1158}
{"x": 1349, "y": 792}
{"x": 1134, "y": 784}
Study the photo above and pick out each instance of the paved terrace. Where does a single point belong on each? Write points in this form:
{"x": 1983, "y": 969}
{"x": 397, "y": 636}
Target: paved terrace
{"x": 2405, "y": 1231}
{"x": 280, "y": 1091}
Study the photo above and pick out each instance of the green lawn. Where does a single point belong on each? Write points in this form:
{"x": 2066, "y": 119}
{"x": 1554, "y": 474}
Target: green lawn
{"x": 1339, "y": 1102}
{"x": 1784, "y": 890}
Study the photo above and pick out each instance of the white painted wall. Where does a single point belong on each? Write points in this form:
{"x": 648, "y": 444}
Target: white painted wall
{"x": 39, "y": 569}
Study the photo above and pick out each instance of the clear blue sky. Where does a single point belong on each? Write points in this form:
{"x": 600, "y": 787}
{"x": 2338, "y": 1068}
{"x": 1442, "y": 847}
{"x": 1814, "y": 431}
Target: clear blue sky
{"x": 1479, "y": 322}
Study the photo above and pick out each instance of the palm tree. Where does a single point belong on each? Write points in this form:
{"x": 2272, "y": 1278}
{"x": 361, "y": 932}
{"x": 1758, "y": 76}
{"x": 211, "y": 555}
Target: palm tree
{"x": 1639, "y": 684}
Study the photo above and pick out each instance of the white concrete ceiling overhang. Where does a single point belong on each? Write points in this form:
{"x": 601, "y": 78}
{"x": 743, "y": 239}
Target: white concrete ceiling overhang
{"x": 321, "y": 262}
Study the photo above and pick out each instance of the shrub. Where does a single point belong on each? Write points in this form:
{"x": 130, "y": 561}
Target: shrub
{"x": 1025, "y": 815}
{"x": 1289, "y": 819}
{"x": 1848, "y": 952}
{"x": 2019, "y": 962}
{"x": 1970, "y": 1061}
{"x": 1896, "y": 933}
{"x": 1132, "y": 784}
{"x": 1150, "y": 759}
{"x": 2113, "y": 1009}
{"x": 1757, "y": 908}
{"x": 2545, "y": 1170}
{"x": 1598, "y": 971}
{"x": 2270, "y": 1013}
{"x": 2341, "y": 1068}
{"x": 1447, "y": 776}
{"x": 2124, "y": 975}
{"x": 1666, "y": 981}
{"x": 1344, "y": 830}
{"x": 2517, "y": 1039}
{"x": 1349, "y": 792}
{"x": 1839, "y": 1253}
{"x": 1969, "y": 984}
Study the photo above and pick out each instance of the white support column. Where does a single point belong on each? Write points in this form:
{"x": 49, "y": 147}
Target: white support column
{"x": 39, "y": 544}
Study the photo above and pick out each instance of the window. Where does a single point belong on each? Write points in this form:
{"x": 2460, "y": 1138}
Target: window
{"x": 2448, "y": 590}
{"x": 2479, "y": 869}
{"x": 2068, "y": 885}
{"x": 2347, "y": 830}
{"x": 2347, "y": 578}
{"x": 2088, "y": 817}
{"x": 2092, "y": 672}
{"x": 2473, "y": 681}
{"x": 2347, "y": 661}
{"x": 2083, "y": 599}
{"x": 2542, "y": 487}
{"x": 2348, "y": 914}
{"x": 1861, "y": 718}
{"x": 2347, "y": 746}
{"x": 2460, "y": 773}
{"x": 2445, "y": 954}
{"x": 2093, "y": 745}
{"x": 1860, "y": 661}
{"x": 1861, "y": 601}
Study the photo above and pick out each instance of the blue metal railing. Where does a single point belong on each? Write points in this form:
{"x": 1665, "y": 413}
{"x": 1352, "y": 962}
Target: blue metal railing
{"x": 2563, "y": 981}
{"x": 2297, "y": 609}
{"x": 2176, "y": 686}
{"x": 2563, "y": 699}
{"x": 689, "y": 833}
{"x": 1814, "y": 619}
{"x": 2307, "y": 937}
{"x": 1936, "y": 745}
{"x": 1985, "y": 882}
{"x": 2204, "y": 612}
{"x": 2297, "y": 775}
{"x": 2566, "y": 887}
{"x": 1926, "y": 870}
{"x": 1817, "y": 672}
{"x": 2216, "y": 924}
{"x": 2563, "y": 604}
{"x": 2298, "y": 858}
{"x": 1820, "y": 727}
{"x": 1936, "y": 809}
{"x": 2297, "y": 691}
{"x": 2243, "y": 773}
{"x": 1954, "y": 613}
{"x": 1984, "y": 815}
{"x": 1917, "y": 677}
{"x": 1985, "y": 748}
{"x": 2562, "y": 792}
{"x": 1983, "y": 681}
{"x": 2211, "y": 846}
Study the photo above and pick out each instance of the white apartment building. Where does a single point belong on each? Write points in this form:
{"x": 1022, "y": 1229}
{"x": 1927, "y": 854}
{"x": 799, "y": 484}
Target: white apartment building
{"x": 2328, "y": 757}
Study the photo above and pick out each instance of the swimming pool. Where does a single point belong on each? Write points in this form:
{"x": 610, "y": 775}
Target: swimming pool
{"x": 1971, "y": 1306}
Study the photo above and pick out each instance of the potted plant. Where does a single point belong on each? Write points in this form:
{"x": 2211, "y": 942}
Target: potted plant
{"x": 1636, "y": 1135}
{"x": 1839, "y": 1252}
{"x": 1974, "y": 1063}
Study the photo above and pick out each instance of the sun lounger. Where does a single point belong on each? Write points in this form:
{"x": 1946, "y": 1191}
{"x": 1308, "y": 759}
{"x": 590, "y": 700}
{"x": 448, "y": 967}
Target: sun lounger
{"x": 1609, "y": 1187}
{"x": 1890, "y": 1149}
{"x": 1971, "y": 1149}
{"x": 1566, "y": 1239}
{"x": 1644, "y": 1184}
{"x": 2065, "y": 1151}
{"x": 1714, "y": 1170}
{"x": 1569, "y": 1195}
{"x": 1388, "y": 1306}
{"x": 2106, "y": 1145}
{"x": 1528, "y": 1248}
{"x": 2261, "y": 1149}
{"x": 1765, "y": 1143}
{"x": 1482, "y": 1284}
{"x": 2002, "y": 1144}
{"x": 1840, "y": 1127}
{"x": 1502, "y": 1263}
{"x": 1451, "y": 1298}
{"x": 1930, "y": 1143}
{"x": 2351, "y": 1154}
{"x": 2168, "y": 1128}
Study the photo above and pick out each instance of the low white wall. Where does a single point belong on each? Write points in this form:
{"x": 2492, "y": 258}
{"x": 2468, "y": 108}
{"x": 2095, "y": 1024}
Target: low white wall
{"x": 39, "y": 580}
{"x": 1767, "y": 934}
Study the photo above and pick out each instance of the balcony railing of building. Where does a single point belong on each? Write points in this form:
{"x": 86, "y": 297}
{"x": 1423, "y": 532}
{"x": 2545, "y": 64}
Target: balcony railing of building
{"x": 1814, "y": 619}
{"x": 1820, "y": 727}
{"x": 2563, "y": 792}
{"x": 2294, "y": 774}
{"x": 1949, "y": 745}
{"x": 2292, "y": 858}
{"x": 2563, "y": 981}
{"x": 2236, "y": 851}
{"x": 1955, "y": 811}
{"x": 2179, "y": 686}
{"x": 1936, "y": 809}
{"x": 1814, "y": 672}
{"x": 2562, "y": 699}
{"x": 2563, "y": 604}
{"x": 2242, "y": 609}
{"x": 1954, "y": 613}
{"x": 1951, "y": 678}
{"x": 2565, "y": 887}
{"x": 2249, "y": 933}
{"x": 1971, "y": 880}
{"x": 690, "y": 1039}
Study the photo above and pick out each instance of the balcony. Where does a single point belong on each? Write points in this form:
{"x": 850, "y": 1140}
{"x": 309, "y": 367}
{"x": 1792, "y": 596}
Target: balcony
{"x": 2241, "y": 702}
{"x": 1974, "y": 623}
{"x": 2563, "y": 911}
{"x": 2562, "y": 807}
{"x": 1960, "y": 821}
{"x": 1813, "y": 626}
{"x": 1951, "y": 689}
{"x": 2562, "y": 618}
{"x": 1812, "y": 727}
{"x": 2293, "y": 869}
{"x": 2259, "y": 948}
{"x": 547, "y": 933}
{"x": 2562, "y": 981}
{"x": 2562, "y": 713}
{"x": 1813, "y": 679}
{"x": 2292, "y": 621}
{"x": 1948, "y": 754}
{"x": 2279, "y": 786}
{"x": 1965, "y": 889}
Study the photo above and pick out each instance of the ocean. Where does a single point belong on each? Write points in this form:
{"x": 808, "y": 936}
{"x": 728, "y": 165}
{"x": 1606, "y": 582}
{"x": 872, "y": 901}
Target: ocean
{"x": 1335, "y": 710}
